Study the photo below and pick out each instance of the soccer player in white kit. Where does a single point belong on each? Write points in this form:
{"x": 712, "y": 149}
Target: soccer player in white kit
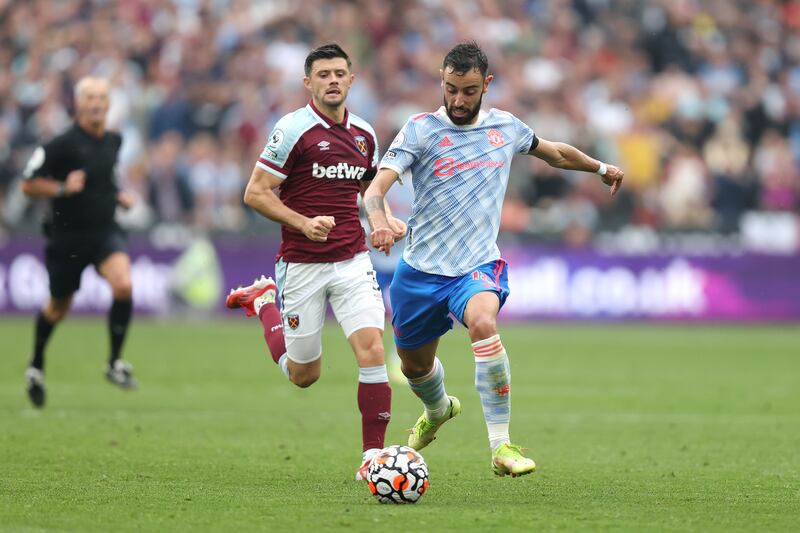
{"x": 459, "y": 157}
{"x": 321, "y": 157}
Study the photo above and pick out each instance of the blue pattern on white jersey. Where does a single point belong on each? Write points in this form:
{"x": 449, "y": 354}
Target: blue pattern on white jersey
{"x": 459, "y": 175}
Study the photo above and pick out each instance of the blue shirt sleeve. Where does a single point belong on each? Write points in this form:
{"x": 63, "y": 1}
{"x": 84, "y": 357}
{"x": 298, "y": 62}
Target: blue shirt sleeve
{"x": 524, "y": 139}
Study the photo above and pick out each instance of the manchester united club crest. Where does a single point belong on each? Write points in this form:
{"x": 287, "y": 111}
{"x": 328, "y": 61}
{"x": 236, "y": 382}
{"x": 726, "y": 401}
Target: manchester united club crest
{"x": 361, "y": 144}
{"x": 293, "y": 321}
{"x": 495, "y": 137}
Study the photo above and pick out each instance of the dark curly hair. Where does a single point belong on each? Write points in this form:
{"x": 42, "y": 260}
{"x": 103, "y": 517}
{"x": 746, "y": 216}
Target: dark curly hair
{"x": 466, "y": 56}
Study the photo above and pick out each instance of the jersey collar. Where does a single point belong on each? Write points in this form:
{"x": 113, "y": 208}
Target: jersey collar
{"x": 442, "y": 114}
{"x": 325, "y": 121}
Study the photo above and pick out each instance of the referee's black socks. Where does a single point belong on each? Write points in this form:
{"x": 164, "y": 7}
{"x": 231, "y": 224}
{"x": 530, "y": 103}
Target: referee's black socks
{"x": 44, "y": 329}
{"x": 118, "y": 319}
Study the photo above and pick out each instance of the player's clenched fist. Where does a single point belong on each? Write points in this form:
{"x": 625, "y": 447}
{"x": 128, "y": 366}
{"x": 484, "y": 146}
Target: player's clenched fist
{"x": 317, "y": 228}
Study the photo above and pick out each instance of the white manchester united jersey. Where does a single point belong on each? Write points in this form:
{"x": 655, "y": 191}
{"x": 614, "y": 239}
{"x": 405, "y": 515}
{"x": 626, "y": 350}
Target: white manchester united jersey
{"x": 459, "y": 175}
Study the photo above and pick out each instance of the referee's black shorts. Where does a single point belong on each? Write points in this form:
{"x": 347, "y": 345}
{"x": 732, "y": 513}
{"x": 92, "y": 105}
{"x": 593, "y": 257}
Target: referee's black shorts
{"x": 66, "y": 255}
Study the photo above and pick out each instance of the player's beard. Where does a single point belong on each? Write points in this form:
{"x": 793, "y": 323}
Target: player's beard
{"x": 466, "y": 119}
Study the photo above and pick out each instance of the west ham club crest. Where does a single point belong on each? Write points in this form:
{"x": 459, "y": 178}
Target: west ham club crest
{"x": 361, "y": 144}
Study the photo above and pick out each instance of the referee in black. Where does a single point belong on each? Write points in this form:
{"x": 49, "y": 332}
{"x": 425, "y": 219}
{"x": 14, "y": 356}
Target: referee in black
{"x": 75, "y": 171}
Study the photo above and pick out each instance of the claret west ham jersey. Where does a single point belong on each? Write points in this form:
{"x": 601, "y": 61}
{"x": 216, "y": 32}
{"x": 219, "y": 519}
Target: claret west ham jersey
{"x": 459, "y": 175}
{"x": 321, "y": 164}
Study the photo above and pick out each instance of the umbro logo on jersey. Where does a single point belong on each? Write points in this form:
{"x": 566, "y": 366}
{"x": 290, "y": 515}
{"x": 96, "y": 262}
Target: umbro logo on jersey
{"x": 444, "y": 143}
{"x": 324, "y": 145}
{"x": 340, "y": 171}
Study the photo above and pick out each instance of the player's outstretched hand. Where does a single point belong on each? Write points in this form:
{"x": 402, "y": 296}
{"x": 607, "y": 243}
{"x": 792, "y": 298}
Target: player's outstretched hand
{"x": 126, "y": 199}
{"x": 75, "y": 182}
{"x": 398, "y": 227}
{"x": 317, "y": 228}
{"x": 613, "y": 178}
{"x": 382, "y": 239}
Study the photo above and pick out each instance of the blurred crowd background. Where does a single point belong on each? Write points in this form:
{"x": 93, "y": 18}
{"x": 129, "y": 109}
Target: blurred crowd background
{"x": 699, "y": 102}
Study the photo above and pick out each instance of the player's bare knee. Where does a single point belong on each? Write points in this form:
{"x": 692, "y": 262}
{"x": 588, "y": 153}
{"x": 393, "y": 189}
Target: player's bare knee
{"x": 56, "y": 310}
{"x": 55, "y": 315}
{"x": 482, "y": 327}
{"x": 371, "y": 354}
{"x": 122, "y": 290}
{"x": 415, "y": 369}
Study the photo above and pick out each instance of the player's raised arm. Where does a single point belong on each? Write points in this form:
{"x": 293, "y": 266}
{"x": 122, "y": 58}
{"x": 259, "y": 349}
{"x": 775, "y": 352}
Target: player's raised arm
{"x": 260, "y": 196}
{"x": 382, "y": 236}
{"x": 562, "y": 155}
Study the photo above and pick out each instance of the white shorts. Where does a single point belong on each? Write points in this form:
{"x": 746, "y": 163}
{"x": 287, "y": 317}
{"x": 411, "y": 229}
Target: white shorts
{"x": 351, "y": 288}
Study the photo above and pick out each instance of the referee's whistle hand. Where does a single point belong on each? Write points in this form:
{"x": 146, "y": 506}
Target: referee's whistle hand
{"x": 75, "y": 182}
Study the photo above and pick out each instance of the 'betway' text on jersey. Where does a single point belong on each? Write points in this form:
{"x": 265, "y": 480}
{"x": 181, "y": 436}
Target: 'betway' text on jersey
{"x": 321, "y": 164}
{"x": 340, "y": 171}
{"x": 459, "y": 175}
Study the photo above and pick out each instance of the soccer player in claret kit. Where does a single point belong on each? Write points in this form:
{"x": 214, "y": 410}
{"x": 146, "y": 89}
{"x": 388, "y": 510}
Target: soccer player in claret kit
{"x": 459, "y": 158}
{"x": 75, "y": 171}
{"x": 321, "y": 157}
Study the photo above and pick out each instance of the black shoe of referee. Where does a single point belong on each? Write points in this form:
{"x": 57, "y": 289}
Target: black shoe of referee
{"x": 121, "y": 374}
{"x": 34, "y": 385}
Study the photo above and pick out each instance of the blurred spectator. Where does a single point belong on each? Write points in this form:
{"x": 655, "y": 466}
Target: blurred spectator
{"x": 727, "y": 157}
{"x": 169, "y": 193}
{"x": 698, "y": 101}
{"x": 685, "y": 194}
{"x": 780, "y": 178}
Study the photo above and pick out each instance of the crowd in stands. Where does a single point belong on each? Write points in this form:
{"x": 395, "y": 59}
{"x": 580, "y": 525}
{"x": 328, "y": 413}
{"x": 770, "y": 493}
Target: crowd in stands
{"x": 698, "y": 101}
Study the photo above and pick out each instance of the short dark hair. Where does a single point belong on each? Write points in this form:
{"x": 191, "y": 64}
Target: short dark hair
{"x": 466, "y": 56}
{"x": 326, "y": 51}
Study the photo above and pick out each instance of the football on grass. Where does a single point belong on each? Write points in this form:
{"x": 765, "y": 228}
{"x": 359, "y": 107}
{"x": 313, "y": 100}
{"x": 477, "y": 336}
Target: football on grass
{"x": 398, "y": 474}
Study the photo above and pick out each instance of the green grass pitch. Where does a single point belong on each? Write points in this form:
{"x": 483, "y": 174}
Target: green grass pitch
{"x": 634, "y": 427}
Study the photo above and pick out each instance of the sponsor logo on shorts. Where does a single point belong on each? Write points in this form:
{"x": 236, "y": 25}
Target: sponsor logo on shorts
{"x": 485, "y": 280}
{"x": 293, "y": 321}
